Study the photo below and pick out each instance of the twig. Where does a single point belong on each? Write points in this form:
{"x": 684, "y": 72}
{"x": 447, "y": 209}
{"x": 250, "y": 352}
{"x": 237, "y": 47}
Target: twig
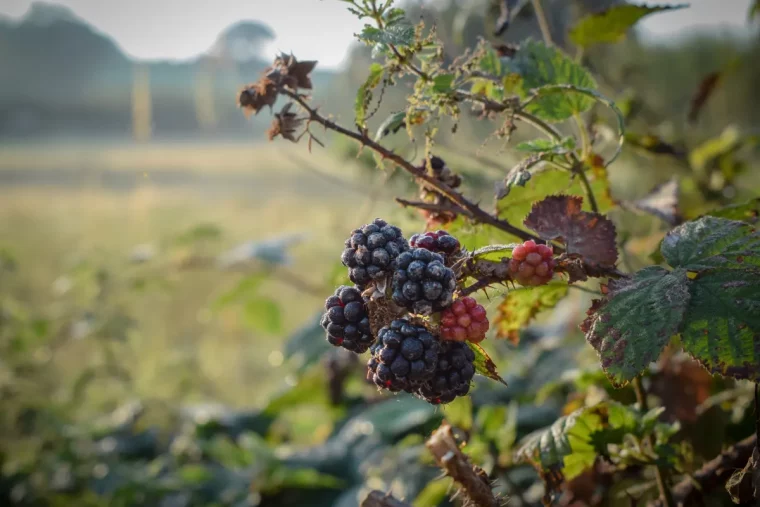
{"x": 474, "y": 211}
{"x": 543, "y": 22}
{"x": 380, "y": 499}
{"x": 660, "y": 474}
{"x": 441, "y": 208}
{"x": 714, "y": 474}
{"x": 456, "y": 464}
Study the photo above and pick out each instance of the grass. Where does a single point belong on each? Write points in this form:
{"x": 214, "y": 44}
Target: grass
{"x": 180, "y": 349}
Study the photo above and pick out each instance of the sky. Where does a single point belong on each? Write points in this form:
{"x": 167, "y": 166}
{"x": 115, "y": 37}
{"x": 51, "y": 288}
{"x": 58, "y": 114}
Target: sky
{"x": 312, "y": 29}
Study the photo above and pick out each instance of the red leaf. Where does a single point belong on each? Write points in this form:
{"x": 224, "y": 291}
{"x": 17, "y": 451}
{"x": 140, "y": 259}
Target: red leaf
{"x": 590, "y": 235}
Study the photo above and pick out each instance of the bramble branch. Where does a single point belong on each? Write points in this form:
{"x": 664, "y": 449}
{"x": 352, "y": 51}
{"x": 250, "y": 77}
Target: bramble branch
{"x": 473, "y": 480}
{"x": 380, "y": 499}
{"x": 714, "y": 474}
{"x": 471, "y": 209}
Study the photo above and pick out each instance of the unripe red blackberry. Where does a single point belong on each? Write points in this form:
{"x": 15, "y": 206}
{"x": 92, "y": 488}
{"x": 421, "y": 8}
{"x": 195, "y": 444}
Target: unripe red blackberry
{"x": 404, "y": 357}
{"x": 452, "y": 376}
{"x": 438, "y": 241}
{"x": 370, "y": 253}
{"x": 464, "y": 320}
{"x": 532, "y": 264}
{"x": 346, "y": 320}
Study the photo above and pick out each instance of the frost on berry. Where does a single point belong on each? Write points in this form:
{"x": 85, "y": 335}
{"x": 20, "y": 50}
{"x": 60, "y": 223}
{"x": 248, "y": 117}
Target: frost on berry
{"x": 422, "y": 283}
{"x": 464, "y": 320}
{"x": 371, "y": 251}
{"x": 532, "y": 264}
{"x": 438, "y": 241}
{"x": 588, "y": 234}
{"x": 404, "y": 357}
{"x": 346, "y": 320}
{"x": 452, "y": 376}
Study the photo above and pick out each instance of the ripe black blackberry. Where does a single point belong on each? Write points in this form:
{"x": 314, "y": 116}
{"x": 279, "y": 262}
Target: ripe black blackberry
{"x": 452, "y": 376}
{"x": 422, "y": 283}
{"x": 404, "y": 356}
{"x": 346, "y": 320}
{"x": 371, "y": 252}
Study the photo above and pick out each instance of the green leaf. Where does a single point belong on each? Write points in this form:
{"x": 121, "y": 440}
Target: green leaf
{"x": 520, "y": 174}
{"x": 391, "y": 125}
{"x": 611, "y": 25}
{"x": 539, "y": 65}
{"x": 264, "y": 315}
{"x": 639, "y": 316}
{"x": 748, "y": 211}
{"x": 575, "y": 441}
{"x": 491, "y": 63}
{"x": 561, "y": 147}
{"x": 399, "y": 34}
{"x": 442, "y": 83}
{"x": 459, "y": 413}
{"x": 194, "y": 474}
{"x": 570, "y": 89}
{"x": 713, "y": 148}
{"x": 364, "y": 94}
{"x": 710, "y": 243}
{"x": 484, "y": 365}
{"x": 521, "y": 305}
{"x": 244, "y": 289}
{"x": 722, "y": 329}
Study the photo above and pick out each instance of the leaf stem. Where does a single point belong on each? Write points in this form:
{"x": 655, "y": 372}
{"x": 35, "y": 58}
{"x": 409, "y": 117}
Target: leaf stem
{"x": 543, "y": 22}
{"x": 577, "y": 165}
{"x": 660, "y": 474}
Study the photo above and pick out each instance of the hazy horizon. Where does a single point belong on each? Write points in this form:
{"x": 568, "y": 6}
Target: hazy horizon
{"x": 312, "y": 29}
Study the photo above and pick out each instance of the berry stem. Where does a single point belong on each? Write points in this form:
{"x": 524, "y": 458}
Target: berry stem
{"x": 472, "y": 210}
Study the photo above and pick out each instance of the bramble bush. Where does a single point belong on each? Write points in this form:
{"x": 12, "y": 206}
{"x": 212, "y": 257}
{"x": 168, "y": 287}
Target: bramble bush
{"x": 411, "y": 304}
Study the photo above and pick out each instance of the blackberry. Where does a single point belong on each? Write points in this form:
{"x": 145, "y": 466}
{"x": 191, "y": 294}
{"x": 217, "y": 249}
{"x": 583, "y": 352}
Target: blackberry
{"x": 404, "y": 357}
{"x": 532, "y": 264}
{"x": 346, "y": 320}
{"x": 438, "y": 241}
{"x": 452, "y": 376}
{"x": 371, "y": 251}
{"x": 422, "y": 283}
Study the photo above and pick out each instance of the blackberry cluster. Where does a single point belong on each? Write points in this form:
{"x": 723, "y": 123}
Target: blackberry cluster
{"x": 464, "y": 320}
{"x": 404, "y": 357}
{"x": 452, "y": 376}
{"x": 532, "y": 264}
{"x": 439, "y": 241}
{"x": 346, "y": 320}
{"x": 371, "y": 251}
{"x": 422, "y": 283}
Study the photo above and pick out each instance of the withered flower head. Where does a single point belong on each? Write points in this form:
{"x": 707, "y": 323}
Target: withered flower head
{"x": 292, "y": 73}
{"x": 254, "y": 97}
{"x": 285, "y": 124}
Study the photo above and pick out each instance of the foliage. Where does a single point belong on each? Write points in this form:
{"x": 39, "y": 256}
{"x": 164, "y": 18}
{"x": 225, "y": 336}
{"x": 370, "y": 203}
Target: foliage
{"x": 544, "y": 408}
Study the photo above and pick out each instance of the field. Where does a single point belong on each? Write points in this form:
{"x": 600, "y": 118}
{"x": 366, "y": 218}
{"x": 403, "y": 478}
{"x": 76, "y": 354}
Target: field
{"x": 70, "y": 212}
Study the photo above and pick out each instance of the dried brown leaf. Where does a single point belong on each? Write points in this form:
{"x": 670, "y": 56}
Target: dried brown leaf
{"x": 285, "y": 124}
{"x": 294, "y": 74}
{"x": 591, "y": 235}
{"x": 257, "y": 95}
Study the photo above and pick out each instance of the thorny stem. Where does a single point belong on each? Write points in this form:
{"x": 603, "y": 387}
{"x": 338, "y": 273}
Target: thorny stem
{"x": 543, "y": 22}
{"x": 661, "y": 475}
{"x": 474, "y": 211}
{"x": 577, "y": 165}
